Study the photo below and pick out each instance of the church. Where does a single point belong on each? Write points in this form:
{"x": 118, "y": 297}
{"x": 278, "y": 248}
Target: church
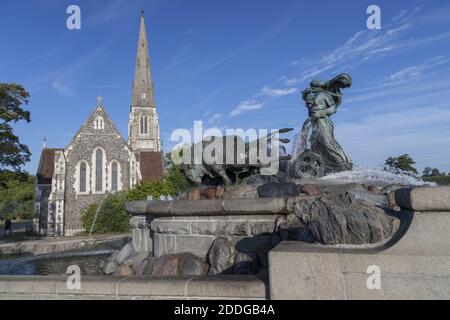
{"x": 98, "y": 160}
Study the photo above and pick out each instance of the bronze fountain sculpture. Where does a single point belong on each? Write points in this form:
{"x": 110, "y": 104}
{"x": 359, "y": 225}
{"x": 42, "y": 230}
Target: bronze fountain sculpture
{"x": 325, "y": 155}
{"x": 316, "y": 154}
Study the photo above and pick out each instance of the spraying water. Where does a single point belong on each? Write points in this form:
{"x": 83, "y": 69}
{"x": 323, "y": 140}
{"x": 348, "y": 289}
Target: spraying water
{"x": 301, "y": 141}
{"x": 95, "y": 218}
{"x": 375, "y": 175}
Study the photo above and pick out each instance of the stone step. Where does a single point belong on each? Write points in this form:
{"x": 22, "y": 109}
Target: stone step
{"x": 107, "y": 287}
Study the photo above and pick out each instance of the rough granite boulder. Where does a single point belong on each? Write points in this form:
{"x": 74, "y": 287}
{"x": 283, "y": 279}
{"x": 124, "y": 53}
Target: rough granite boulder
{"x": 124, "y": 270}
{"x": 245, "y": 263}
{"x": 244, "y": 191}
{"x": 274, "y": 189}
{"x": 310, "y": 189}
{"x": 180, "y": 264}
{"x": 208, "y": 193}
{"x": 342, "y": 219}
{"x": 140, "y": 268}
{"x": 221, "y": 256}
{"x": 124, "y": 253}
{"x": 110, "y": 267}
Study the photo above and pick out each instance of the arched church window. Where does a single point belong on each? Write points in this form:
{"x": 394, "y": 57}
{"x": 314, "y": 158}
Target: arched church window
{"x": 83, "y": 172}
{"x": 144, "y": 96}
{"x": 114, "y": 176}
{"x": 99, "y": 123}
{"x": 99, "y": 170}
{"x": 144, "y": 124}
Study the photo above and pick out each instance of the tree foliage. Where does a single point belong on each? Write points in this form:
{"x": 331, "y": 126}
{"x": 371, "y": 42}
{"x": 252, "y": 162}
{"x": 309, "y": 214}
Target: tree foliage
{"x": 426, "y": 172}
{"x": 432, "y": 172}
{"x": 112, "y": 216}
{"x": 13, "y": 153}
{"x": 435, "y": 172}
{"x": 155, "y": 189}
{"x": 16, "y": 195}
{"x": 177, "y": 179}
{"x": 404, "y": 163}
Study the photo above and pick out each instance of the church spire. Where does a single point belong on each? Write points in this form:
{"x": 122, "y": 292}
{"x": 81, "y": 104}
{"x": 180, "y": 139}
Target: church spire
{"x": 143, "y": 127}
{"x": 143, "y": 95}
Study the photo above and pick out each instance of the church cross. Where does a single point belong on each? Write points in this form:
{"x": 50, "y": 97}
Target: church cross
{"x": 99, "y": 100}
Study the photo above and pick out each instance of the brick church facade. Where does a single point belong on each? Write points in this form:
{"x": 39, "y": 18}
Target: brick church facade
{"x": 99, "y": 160}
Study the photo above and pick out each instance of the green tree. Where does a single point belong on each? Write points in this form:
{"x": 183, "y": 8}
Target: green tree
{"x": 427, "y": 172}
{"x": 435, "y": 172}
{"x": 16, "y": 195}
{"x": 13, "y": 153}
{"x": 403, "y": 162}
{"x": 16, "y": 188}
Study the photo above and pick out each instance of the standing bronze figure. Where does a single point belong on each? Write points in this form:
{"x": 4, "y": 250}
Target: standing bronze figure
{"x": 325, "y": 155}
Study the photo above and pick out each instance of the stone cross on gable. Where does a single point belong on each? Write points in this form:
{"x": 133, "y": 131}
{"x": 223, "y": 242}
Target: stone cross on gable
{"x": 99, "y": 101}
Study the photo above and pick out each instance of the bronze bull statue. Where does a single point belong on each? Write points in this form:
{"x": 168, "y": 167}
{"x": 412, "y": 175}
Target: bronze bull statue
{"x": 246, "y": 158}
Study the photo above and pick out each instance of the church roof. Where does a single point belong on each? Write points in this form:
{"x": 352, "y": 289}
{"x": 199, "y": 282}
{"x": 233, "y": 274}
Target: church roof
{"x": 98, "y": 109}
{"x": 46, "y": 165}
{"x": 151, "y": 164}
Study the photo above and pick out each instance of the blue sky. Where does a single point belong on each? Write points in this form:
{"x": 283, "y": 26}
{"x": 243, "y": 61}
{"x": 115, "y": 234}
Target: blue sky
{"x": 238, "y": 64}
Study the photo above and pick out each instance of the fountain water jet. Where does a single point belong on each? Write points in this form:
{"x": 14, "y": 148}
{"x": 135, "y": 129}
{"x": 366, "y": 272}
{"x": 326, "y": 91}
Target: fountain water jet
{"x": 95, "y": 219}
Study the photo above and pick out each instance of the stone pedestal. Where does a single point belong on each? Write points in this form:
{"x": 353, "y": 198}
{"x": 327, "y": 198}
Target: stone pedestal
{"x": 196, "y": 234}
{"x": 141, "y": 234}
{"x": 164, "y": 236}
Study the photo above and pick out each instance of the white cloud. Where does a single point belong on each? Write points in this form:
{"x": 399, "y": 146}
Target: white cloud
{"x": 271, "y": 92}
{"x": 62, "y": 88}
{"x": 416, "y": 71}
{"x": 214, "y": 118}
{"x": 246, "y": 106}
{"x": 363, "y": 46}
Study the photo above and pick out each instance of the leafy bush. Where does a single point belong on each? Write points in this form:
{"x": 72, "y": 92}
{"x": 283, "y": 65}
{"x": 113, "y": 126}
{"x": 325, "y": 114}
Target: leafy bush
{"x": 440, "y": 180}
{"x": 154, "y": 189}
{"x": 174, "y": 183}
{"x": 112, "y": 216}
{"x": 177, "y": 179}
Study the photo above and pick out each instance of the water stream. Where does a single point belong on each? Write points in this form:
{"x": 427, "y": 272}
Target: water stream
{"x": 88, "y": 258}
{"x": 375, "y": 175}
{"x": 95, "y": 217}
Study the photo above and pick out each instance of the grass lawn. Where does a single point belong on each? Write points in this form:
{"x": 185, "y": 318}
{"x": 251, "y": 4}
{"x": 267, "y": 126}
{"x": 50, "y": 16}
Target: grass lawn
{"x": 440, "y": 180}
